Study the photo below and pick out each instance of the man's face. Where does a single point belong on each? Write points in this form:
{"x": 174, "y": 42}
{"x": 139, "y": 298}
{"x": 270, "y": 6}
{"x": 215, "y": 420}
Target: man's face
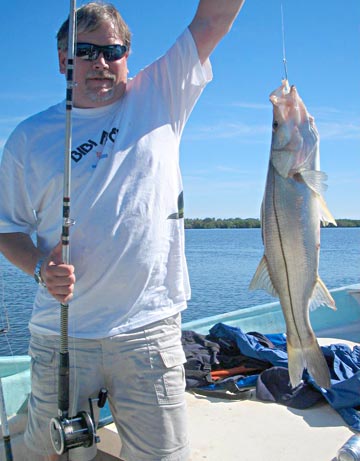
{"x": 98, "y": 82}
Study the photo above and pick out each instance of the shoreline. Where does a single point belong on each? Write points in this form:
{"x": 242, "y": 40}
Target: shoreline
{"x": 251, "y": 223}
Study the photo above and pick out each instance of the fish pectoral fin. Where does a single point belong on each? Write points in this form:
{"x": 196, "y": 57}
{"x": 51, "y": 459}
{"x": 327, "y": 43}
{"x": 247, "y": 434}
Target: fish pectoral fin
{"x": 321, "y": 296}
{"x": 325, "y": 215}
{"x": 261, "y": 279}
{"x": 315, "y": 180}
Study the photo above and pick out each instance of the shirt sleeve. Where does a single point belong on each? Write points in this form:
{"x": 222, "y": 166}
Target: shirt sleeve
{"x": 16, "y": 212}
{"x": 179, "y": 77}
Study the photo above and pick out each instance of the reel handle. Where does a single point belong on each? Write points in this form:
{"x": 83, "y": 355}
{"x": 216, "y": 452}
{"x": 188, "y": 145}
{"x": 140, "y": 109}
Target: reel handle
{"x": 102, "y": 397}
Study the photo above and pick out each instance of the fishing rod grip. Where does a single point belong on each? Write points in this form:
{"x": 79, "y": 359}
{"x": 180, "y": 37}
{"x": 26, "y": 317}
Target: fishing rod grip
{"x": 64, "y": 363}
{"x": 63, "y": 389}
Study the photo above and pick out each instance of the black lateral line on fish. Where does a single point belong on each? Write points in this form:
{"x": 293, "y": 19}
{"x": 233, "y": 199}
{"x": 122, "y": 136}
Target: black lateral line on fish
{"x": 285, "y": 262}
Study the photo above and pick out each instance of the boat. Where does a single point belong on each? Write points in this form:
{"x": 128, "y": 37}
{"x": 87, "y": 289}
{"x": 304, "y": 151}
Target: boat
{"x": 220, "y": 428}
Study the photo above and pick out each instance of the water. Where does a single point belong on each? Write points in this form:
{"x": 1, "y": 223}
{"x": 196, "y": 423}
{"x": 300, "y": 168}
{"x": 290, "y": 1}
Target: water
{"x": 221, "y": 264}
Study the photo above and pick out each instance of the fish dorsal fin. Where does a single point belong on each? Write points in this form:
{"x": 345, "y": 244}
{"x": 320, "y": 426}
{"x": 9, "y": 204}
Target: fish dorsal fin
{"x": 321, "y": 296}
{"x": 315, "y": 180}
{"x": 262, "y": 280}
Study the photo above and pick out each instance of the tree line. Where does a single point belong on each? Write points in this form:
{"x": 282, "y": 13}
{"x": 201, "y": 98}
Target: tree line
{"x": 247, "y": 223}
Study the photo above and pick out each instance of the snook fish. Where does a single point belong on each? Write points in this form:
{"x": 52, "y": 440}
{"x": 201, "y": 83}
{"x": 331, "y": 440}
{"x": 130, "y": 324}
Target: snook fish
{"x": 291, "y": 211}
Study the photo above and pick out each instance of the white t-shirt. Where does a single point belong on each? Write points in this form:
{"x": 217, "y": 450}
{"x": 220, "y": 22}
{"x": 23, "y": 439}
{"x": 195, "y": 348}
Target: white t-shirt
{"x": 127, "y": 244}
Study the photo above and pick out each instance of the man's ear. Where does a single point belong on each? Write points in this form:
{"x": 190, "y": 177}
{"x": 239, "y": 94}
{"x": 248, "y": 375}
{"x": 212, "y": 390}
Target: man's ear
{"x": 62, "y": 61}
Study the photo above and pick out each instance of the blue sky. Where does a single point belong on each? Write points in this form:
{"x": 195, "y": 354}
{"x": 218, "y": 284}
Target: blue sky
{"x": 225, "y": 147}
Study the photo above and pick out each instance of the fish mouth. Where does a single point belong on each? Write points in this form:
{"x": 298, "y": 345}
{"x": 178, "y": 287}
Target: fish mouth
{"x": 285, "y": 98}
{"x": 280, "y": 92}
{"x": 288, "y": 104}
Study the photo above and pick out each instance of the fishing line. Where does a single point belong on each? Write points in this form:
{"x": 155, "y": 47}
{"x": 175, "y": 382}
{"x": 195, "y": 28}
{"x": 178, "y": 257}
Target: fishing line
{"x": 5, "y": 327}
{"x": 5, "y": 324}
{"x": 283, "y": 43}
{"x": 5, "y": 320}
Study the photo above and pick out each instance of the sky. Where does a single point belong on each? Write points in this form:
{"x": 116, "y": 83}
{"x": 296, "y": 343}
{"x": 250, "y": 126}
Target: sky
{"x": 226, "y": 143}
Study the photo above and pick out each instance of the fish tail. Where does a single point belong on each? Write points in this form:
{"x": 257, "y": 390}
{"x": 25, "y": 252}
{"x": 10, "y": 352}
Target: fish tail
{"x": 296, "y": 364}
{"x": 311, "y": 358}
{"x": 316, "y": 365}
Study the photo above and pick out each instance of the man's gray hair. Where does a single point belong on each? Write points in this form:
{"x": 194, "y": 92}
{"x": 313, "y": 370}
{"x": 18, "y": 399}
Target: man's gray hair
{"x": 90, "y": 17}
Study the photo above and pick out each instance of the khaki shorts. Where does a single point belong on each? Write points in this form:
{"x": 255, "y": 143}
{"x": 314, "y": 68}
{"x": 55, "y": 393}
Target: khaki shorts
{"x": 144, "y": 375}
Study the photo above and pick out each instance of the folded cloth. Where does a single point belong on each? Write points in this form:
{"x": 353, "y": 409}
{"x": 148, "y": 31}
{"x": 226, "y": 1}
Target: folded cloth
{"x": 273, "y": 385}
{"x": 343, "y": 363}
{"x": 250, "y": 344}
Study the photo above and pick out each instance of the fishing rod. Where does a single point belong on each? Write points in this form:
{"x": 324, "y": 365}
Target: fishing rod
{"x": 78, "y": 431}
{"x": 3, "y": 415}
{"x": 5, "y": 426}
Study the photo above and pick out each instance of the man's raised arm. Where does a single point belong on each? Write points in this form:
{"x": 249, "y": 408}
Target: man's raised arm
{"x": 213, "y": 20}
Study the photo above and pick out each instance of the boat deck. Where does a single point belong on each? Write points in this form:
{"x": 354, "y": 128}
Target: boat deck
{"x": 252, "y": 430}
{"x": 246, "y": 430}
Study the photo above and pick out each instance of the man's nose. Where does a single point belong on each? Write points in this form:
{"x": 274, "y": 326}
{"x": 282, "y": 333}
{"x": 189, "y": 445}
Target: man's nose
{"x": 100, "y": 62}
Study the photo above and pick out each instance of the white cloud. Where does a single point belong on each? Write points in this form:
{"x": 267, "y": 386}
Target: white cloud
{"x": 10, "y": 121}
{"x": 223, "y": 130}
{"x": 339, "y": 130}
{"x": 332, "y": 124}
{"x": 251, "y": 105}
{"x": 29, "y": 96}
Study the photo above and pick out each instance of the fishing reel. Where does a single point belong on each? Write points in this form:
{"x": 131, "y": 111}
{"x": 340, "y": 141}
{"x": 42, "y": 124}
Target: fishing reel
{"x": 78, "y": 431}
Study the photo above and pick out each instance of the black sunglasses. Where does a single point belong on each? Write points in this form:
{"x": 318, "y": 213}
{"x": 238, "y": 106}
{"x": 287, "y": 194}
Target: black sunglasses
{"x": 90, "y": 52}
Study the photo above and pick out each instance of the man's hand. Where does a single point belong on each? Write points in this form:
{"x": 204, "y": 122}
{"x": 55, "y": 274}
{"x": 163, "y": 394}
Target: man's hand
{"x": 59, "y": 278}
{"x": 213, "y": 20}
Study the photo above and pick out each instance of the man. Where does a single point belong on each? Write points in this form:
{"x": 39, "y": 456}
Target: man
{"x": 127, "y": 245}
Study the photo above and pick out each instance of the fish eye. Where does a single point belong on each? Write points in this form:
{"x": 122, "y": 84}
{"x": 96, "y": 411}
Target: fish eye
{"x": 275, "y": 124}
